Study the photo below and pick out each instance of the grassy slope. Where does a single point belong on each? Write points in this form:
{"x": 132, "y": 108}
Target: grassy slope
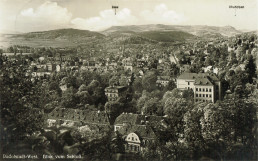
{"x": 167, "y": 36}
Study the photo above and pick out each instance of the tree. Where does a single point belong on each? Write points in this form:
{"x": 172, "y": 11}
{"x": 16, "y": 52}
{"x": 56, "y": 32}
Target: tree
{"x": 250, "y": 68}
{"x": 21, "y": 113}
{"x": 171, "y": 85}
{"x": 137, "y": 84}
{"x": 149, "y": 81}
{"x": 113, "y": 109}
{"x": 69, "y": 99}
{"x": 152, "y": 107}
{"x": 84, "y": 97}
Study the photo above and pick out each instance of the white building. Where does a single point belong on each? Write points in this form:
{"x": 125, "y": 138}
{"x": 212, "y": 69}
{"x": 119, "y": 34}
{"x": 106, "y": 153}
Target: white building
{"x": 206, "y": 87}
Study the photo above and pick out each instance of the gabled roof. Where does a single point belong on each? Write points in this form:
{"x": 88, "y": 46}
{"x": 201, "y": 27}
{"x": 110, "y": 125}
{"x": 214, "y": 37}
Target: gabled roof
{"x": 143, "y": 131}
{"x": 188, "y": 76}
{"x": 87, "y": 116}
{"x": 195, "y": 76}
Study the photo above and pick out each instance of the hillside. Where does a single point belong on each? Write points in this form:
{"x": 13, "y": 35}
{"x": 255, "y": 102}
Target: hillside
{"x": 199, "y": 30}
{"x": 62, "y": 34}
{"x": 167, "y": 36}
{"x": 134, "y": 34}
{"x": 53, "y": 38}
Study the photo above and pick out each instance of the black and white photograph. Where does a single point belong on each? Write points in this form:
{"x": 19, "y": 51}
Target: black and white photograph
{"x": 128, "y": 80}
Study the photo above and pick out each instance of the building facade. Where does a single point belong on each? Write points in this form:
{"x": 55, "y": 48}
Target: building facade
{"x": 139, "y": 130}
{"x": 206, "y": 86}
{"x": 114, "y": 92}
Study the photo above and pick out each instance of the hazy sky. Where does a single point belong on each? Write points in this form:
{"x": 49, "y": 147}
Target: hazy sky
{"x": 38, "y": 15}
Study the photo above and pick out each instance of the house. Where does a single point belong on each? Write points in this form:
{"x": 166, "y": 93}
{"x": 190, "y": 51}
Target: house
{"x": 162, "y": 81}
{"x": 206, "y": 86}
{"x": 113, "y": 92}
{"x": 128, "y": 64}
{"x": 139, "y": 130}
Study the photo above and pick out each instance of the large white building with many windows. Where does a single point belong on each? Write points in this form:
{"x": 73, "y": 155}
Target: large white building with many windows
{"x": 206, "y": 86}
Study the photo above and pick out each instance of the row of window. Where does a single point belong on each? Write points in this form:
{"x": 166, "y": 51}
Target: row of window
{"x": 203, "y": 89}
{"x": 112, "y": 95}
{"x": 203, "y": 95}
{"x": 132, "y": 147}
{"x": 132, "y": 139}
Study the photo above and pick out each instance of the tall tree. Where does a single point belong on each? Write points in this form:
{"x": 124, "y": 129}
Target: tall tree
{"x": 250, "y": 68}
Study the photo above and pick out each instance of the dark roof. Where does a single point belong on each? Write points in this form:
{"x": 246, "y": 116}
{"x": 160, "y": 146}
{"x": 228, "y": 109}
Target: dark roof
{"x": 143, "y": 131}
{"x": 137, "y": 119}
{"x": 116, "y": 87}
{"x": 203, "y": 81}
{"x": 195, "y": 76}
{"x": 188, "y": 76}
{"x": 86, "y": 116}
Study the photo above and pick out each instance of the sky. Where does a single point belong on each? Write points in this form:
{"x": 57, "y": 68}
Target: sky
{"x": 97, "y": 15}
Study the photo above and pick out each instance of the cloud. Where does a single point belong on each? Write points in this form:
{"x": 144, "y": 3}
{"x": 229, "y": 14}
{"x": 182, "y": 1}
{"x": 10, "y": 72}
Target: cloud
{"x": 161, "y": 15}
{"x": 106, "y": 19}
{"x": 48, "y": 15}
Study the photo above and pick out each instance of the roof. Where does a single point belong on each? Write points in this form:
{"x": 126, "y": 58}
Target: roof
{"x": 143, "y": 131}
{"x": 137, "y": 119}
{"x": 188, "y": 76}
{"x": 116, "y": 87}
{"x": 195, "y": 76}
{"x": 202, "y": 81}
{"x": 87, "y": 116}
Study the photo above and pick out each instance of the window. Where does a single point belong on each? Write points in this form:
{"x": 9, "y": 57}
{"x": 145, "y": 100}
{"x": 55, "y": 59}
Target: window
{"x": 200, "y": 89}
{"x": 203, "y": 95}
{"x": 200, "y": 95}
{"x": 196, "y": 95}
{"x": 188, "y": 83}
{"x": 206, "y": 95}
{"x": 196, "y": 89}
{"x": 210, "y": 90}
{"x": 132, "y": 138}
{"x": 203, "y": 89}
{"x": 210, "y": 95}
{"x": 206, "y": 89}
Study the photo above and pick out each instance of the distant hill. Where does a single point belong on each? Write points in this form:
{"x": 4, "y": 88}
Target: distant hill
{"x": 167, "y": 36}
{"x": 62, "y": 34}
{"x": 52, "y": 38}
{"x": 200, "y": 30}
{"x": 134, "y": 34}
